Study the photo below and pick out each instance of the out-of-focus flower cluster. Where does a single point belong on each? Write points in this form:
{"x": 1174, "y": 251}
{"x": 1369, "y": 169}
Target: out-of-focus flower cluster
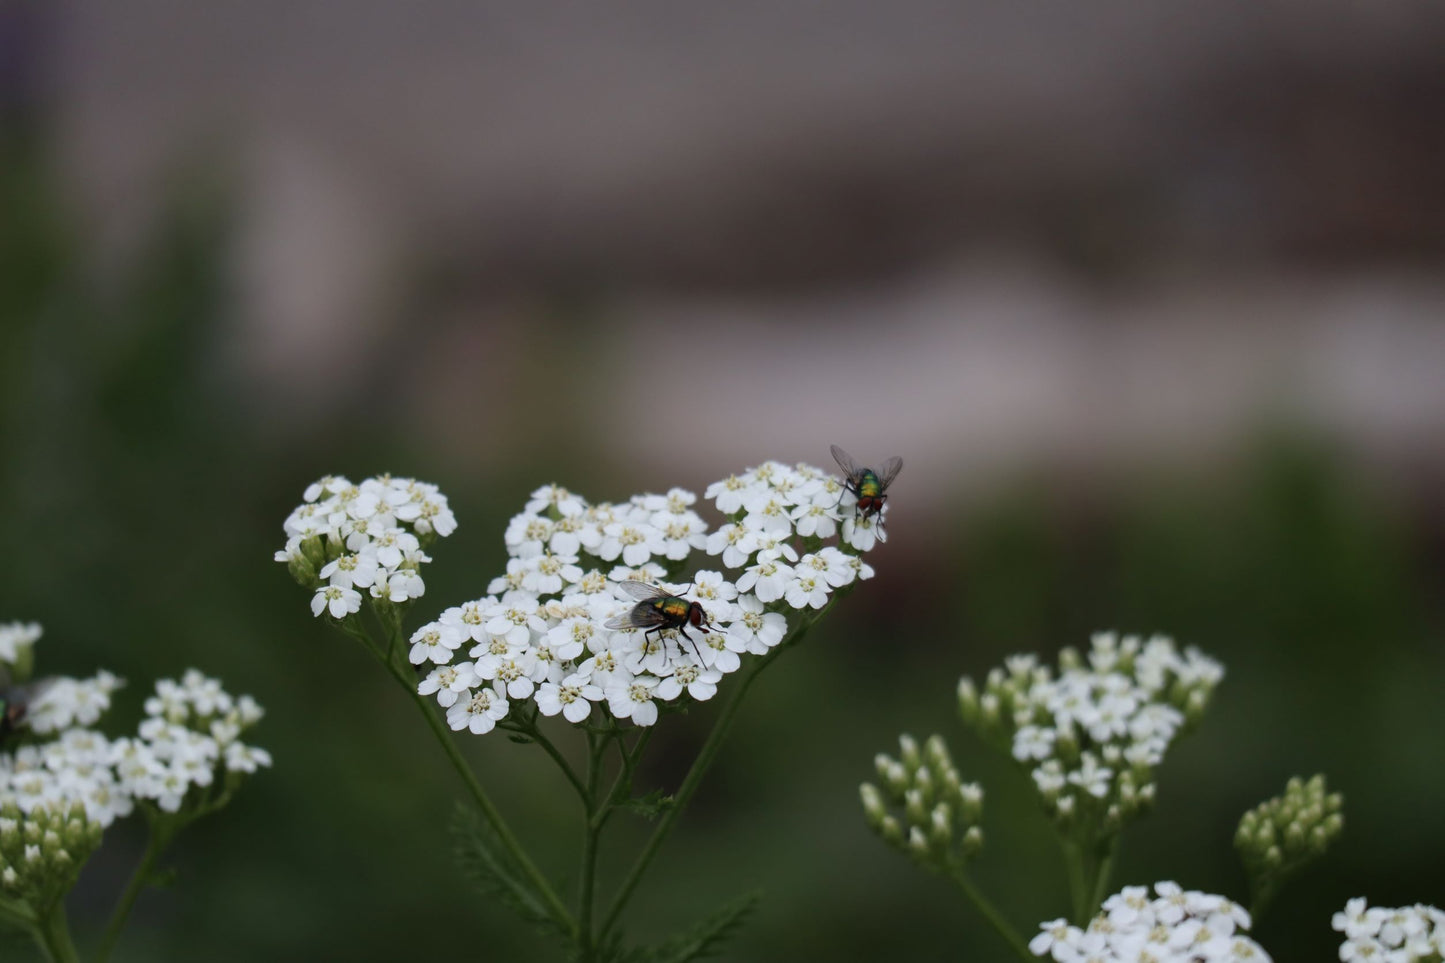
{"x": 190, "y": 738}
{"x": 345, "y": 539}
{"x": 542, "y": 633}
{"x": 62, "y": 783}
{"x": 923, "y": 807}
{"x": 1175, "y": 926}
{"x": 1092, "y": 733}
{"x": 1402, "y": 934}
{"x": 1281, "y": 835}
{"x": 42, "y": 851}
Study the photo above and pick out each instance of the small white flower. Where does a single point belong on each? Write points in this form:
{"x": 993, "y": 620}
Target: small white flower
{"x": 768, "y": 578}
{"x": 340, "y": 601}
{"x": 573, "y": 697}
{"x": 634, "y": 700}
{"x": 479, "y": 711}
{"x": 435, "y": 642}
{"x": 698, "y": 682}
{"x": 755, "y": 630}
{"x": 15, "y": 636}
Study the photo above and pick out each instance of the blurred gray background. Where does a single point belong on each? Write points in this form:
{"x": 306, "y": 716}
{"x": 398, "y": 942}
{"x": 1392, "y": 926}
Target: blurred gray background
{"x": 1148, "y": 297}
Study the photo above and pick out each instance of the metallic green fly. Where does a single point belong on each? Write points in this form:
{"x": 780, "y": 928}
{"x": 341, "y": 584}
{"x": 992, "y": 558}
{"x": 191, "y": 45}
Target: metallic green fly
{"x": 866, "y": 485}
{"x": 658, "y": 610}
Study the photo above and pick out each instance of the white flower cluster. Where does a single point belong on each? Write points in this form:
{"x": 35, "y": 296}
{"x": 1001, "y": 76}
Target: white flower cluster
{"x": 368, "y": 536}
{"x": 190, "y": 736}
{"x": 63, "y": 702}
{"x": 1177, "y": 926}
{"x": 554, "y": 628}
{"x": 14, "y": 637}
{"x": 1092, "y": 734}
{"x": 1404, "y": 934}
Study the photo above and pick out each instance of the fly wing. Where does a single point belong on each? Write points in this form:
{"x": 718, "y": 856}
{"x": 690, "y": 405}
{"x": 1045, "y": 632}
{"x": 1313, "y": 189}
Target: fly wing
{"x": 845, "y": 461}
{"x": 641, "y": 616}
{"x": 643, "y": 592}
{"x": 889, "y": 471}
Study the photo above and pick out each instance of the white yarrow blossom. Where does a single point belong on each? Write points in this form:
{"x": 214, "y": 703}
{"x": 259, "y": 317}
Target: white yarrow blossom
{"x": 15, "y": 637}
{"x": 1403, "y": 934}
{"x": 1092, "y": 732}
{"x": 558, "y": 628}
{"x": 1177, "y": 926}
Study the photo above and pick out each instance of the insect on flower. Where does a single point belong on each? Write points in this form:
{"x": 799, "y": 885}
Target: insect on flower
{"x": 657, "y": 610}
{"x": 15, "y": 702}
{"x": 866, "y": 485}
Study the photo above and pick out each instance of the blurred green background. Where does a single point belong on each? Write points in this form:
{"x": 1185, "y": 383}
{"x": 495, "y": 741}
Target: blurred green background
{"x": 1188, "y": 381}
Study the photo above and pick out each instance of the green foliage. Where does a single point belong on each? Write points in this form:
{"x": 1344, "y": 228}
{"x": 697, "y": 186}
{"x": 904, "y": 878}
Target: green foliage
{"x": 481, "y": 856}
{"x": 650, "y": 806}
{"x": 702, "y": 940}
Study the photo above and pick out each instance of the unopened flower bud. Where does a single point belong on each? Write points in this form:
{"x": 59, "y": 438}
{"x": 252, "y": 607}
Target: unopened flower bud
{"x": 873, "y": 807}
{"x": 923, "y": 782}
{"x": 972, "y": 842}
{"x": 970, "y": 801}
{"x": 914, "y": 808}
{"x": 908, "y": 752}
{"x": 940, "y": 825}
{"x": 891, "y": 831}
{"x": 968, "y": 700}
{"x": 918, "y": 843}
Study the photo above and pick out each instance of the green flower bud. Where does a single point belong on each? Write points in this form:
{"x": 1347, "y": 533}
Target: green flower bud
{"x": 909, "y": 752}
{"x": 923, "y": 782}
{"x": 24, "y": 665}
{"x": 314, "y": 550}
{"x": 940, "y": 825}
{"x": 892, "y": 831}
{"x": 968, "y": 701}
{"x": 873, "y": 807}
{"x": 914, "y": 808}
{"x": 970, "y": 802}
{"x": 972, "y": 842}
{"x": 918, "y": 844}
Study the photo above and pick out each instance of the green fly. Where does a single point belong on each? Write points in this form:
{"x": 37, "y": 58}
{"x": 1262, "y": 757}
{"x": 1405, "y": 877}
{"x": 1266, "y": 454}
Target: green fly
{"x": 866, "y": 485}
{"x": 658, "y": 610}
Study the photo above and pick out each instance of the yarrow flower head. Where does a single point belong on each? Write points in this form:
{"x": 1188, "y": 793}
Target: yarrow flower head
{"x": 66, "y": 782}
{"x": 1403, "y": 934}
{"x": 603, "y": 608}
{"x": 1092, "y": 733}
{"x": 346, "y": 541}
{"x": 1174, "y": 926}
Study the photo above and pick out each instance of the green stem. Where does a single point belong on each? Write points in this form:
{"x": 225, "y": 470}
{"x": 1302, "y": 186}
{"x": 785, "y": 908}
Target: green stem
{"x": 1078, "y": 889}
{"x": 53, "y": 935}
{"x": 555, "y": 907}
{"x": 18, "y": 914}
{"x": 990, "y": 912}
{"x": 161, "y": 834}
{"x": 1104, "y": 870}
{"x": 531, "y": 730}
{"x": 622, "y": 784}
{"x": 689, "y": 786}
{"x": 592, "y": 831}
